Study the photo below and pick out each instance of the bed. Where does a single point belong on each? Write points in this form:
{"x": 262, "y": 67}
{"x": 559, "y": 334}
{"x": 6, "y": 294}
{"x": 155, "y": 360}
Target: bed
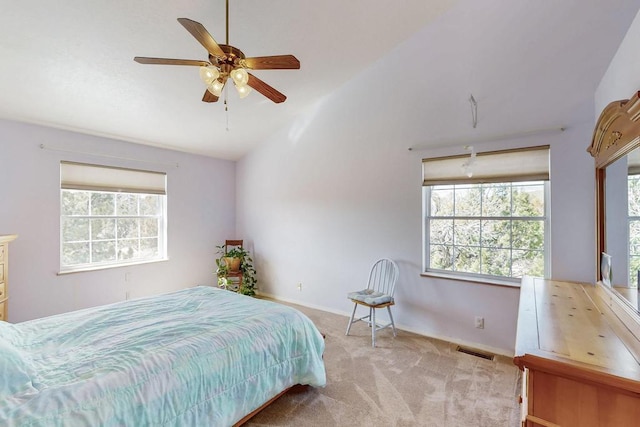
{"x": 195, "y": 357}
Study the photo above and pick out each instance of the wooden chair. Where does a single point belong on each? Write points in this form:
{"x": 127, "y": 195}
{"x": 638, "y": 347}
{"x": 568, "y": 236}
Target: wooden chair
{"x": 378, "y": 294}
{"x": 236, "y": 275}
{"x": 237, "y": 243}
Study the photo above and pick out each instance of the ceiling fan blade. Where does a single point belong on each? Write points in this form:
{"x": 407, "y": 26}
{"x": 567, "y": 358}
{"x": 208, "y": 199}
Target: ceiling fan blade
{"x": 265, "y": 89}
{"x": 209, "y": 97}
{"x": 277, "y": 62}
{"x": 170, "y": 61}
{"x": 198, "y": 31}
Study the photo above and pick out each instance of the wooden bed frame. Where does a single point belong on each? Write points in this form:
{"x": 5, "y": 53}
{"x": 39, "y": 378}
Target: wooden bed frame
{"x": 297, "y": 387}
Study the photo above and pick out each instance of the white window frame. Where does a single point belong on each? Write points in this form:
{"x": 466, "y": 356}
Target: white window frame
{"x": 479, "y": 276}
{"x": 513, "y": 166}
{"x": 94, "y": 179}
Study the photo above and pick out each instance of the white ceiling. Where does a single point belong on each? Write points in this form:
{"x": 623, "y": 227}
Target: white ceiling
{"x": 530, "y": 64}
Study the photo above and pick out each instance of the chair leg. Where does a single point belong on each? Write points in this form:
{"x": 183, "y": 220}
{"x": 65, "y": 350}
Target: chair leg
{"x": 373, "y": 327}
{"x": 351, "y": 320}
{"x": 393, "y": 325}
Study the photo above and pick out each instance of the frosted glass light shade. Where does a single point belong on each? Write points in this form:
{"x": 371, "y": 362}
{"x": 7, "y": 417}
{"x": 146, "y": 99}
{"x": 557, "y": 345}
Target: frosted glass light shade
{"x": 243, "y": 91}
{"x": 209, "y": 74}
{"x": 240, "y": 76}
{"x": 216, "y": 87}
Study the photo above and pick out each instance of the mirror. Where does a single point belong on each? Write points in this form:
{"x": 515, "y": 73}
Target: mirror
{"x": 616, "y": 149}
{"x": 622, "y": 226}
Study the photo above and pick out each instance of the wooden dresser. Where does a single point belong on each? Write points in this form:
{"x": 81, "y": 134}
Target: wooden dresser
{"x": 581, "y": 362}
{"x": 4, "y": 274}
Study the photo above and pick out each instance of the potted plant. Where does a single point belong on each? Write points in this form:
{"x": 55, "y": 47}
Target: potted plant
{"x": 233, "y": 257}
{"x": 236, "y": 259}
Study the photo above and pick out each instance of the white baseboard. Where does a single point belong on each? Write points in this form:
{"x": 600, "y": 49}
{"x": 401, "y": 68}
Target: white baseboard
{"x": 478, "y": 346}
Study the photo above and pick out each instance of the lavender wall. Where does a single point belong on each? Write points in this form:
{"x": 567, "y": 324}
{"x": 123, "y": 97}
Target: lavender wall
{"x": 337, "y": 189}
{"x": 349, "y": 193}
{"x": 201, "y": 214}
{"x": 622, "y": 78}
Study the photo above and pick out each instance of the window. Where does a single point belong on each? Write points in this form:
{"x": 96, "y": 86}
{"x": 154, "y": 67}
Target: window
{"x": 110, "y": 216}
{"x": 491, "y": 224}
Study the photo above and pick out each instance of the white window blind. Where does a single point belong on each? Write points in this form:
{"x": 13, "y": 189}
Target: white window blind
{"x": 526, "y": 164}
{"x": 82, "y": 176}
{"x": 633, "y": 162}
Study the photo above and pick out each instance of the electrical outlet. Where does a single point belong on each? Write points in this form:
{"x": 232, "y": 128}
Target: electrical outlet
{"x": 479, "y": 322}
{"x": 300, "y": 287}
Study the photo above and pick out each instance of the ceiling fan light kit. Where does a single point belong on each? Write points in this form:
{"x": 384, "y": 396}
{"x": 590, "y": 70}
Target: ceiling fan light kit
{"x": 243, "y": 91}
{"x": 226, "y": 61}
{"x": 215, "y": 87}
{"x": 209, "y": 74}
{"x": 240, "y": 76}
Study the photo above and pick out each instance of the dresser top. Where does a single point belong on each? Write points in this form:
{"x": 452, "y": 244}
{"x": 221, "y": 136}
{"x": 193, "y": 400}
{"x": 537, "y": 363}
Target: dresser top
{"x": 564, "y": 329}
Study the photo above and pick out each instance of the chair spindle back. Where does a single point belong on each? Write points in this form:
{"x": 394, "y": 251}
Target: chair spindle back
{"x": 383, "y": 276}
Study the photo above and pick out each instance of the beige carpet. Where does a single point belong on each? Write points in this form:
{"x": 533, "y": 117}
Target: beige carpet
{"x": 408, "y": 380}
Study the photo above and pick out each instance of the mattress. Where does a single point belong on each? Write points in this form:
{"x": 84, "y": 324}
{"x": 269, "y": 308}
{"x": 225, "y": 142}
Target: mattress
{"x": 195, "y": 357}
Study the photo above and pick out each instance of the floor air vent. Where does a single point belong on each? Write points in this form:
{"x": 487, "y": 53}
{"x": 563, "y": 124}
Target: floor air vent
{"x": 475, "y": 352}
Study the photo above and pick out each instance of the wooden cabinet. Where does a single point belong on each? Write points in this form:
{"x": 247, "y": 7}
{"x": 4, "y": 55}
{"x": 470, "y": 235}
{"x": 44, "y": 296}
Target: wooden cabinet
{"x": 580, "y": 361}
{"x": 4, "y": 274}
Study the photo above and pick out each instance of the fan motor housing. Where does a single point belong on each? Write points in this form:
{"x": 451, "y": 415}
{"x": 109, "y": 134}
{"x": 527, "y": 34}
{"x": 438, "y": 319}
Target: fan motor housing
{"x": 233, "y": 56}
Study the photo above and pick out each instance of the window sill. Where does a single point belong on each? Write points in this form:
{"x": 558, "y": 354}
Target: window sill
{"x": 479, "y": 280}
{"x": 105, "y": 267}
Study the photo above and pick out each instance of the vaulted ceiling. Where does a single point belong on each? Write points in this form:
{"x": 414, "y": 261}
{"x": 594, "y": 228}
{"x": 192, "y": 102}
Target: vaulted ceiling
{"x": 530, "y": 65}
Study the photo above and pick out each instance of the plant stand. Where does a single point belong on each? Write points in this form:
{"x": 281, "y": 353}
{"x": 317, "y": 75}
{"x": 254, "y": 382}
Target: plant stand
{"x": 235, "y": 270}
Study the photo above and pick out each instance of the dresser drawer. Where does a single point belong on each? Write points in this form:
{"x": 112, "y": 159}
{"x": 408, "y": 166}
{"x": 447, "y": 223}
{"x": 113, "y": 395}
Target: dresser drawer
{"x": 3, "y": 250}
{"x": 3, "y": 312}
{"x": 1, "y": 272}
{"x": 3, "y": 291}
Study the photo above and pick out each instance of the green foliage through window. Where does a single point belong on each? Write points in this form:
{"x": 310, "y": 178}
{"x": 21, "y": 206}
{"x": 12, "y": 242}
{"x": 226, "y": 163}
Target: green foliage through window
{"x": 633, "y": 187}
{"x": 487, "y": 229}
{"x": 109, "y": 228}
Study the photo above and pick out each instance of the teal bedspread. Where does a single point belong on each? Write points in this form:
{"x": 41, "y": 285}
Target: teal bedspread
{"x": 195, "y": 357}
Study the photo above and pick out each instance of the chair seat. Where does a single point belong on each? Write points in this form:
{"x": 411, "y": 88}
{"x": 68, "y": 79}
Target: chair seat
{"x": 371, "y": 297}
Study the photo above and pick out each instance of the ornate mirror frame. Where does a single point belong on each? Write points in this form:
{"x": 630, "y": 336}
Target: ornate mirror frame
{"x": 616, "y": 134}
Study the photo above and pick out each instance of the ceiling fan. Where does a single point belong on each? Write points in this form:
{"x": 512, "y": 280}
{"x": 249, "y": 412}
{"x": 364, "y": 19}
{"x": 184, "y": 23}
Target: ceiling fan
{"x": 226, "y": 61}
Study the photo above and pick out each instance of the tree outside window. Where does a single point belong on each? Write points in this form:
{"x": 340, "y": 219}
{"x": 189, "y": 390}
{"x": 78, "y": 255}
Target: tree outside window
{"x": 495, "y": 229}
{"x": 110, "y": 228}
